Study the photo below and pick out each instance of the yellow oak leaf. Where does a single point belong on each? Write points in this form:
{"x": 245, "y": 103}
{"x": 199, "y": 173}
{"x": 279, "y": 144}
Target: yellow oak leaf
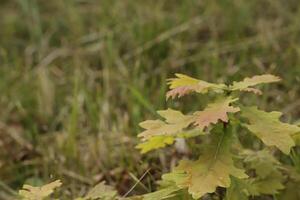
{"x": 214, "y": 112}
{"x": 161, "y": 141}
{"x": 213, "y": 169}
{"x": 247, "y": 83}
{"x": 182, "y": 80}
{"x": 155, "y": 142}
{"x": 183, "y": 85}
{"x": 267, "y": 127}
{"x": 174, "y": 124}
{"x": 205, "y": 174}
{"x": 29, "y": 192}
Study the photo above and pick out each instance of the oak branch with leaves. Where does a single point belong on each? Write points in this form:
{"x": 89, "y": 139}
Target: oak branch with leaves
{"x": 223, "y": 161}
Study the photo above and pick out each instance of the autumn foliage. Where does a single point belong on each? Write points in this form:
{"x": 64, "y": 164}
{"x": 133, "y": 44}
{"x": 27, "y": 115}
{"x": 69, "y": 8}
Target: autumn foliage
{"x": 223, "y": 161}
{"x": 225, "y": 168}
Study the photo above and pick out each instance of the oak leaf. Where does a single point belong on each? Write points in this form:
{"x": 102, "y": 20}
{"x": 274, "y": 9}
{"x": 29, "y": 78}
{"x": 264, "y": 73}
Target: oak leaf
{"x": 213, "y": 169}
{"x": 29, "y": 192}
{"x": 262, "y": 161}
{"x": 155, "y": 142}
{"x": 247, "y": 83}
{"x": 214, "y": 112}
{"x": 175, "y": 122}
{"x": 268, "y": 177}
{"x": 267, "y": 127}
{"x": 183, "y": 85}
{"x": 269, "y": 184}
{"x": 241, "y": 189}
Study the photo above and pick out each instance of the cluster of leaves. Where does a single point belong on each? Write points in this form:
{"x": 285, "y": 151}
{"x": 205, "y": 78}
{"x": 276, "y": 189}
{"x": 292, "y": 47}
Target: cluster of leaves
{"x": 100, "y": 191}
{"x": 223, "y": 161}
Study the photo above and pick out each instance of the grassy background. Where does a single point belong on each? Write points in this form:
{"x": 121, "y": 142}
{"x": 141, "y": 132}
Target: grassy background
{"x": 77, "y": 76}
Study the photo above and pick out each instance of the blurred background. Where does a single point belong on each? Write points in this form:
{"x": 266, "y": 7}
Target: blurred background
{"x": 77, "y": 76}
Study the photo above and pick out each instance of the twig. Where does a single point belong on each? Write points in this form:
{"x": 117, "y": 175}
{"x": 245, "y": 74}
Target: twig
{"x": 127, "y": 193}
